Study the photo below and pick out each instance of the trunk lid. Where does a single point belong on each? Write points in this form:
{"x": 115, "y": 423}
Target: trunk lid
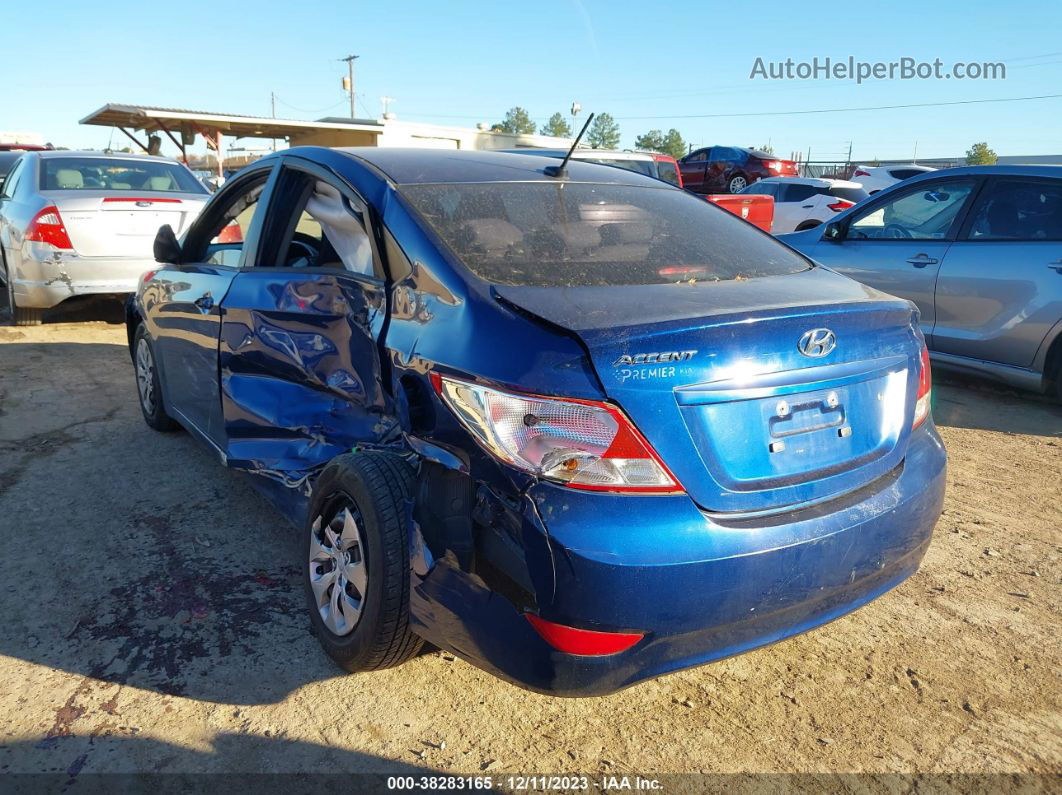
{"x": 112, "y": 224}
{"x": 712, "y": 375}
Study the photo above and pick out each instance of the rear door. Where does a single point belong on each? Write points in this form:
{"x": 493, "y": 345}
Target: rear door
{"x": 898, "y": 242}
{"x": 300, "y": 365}
{"x": 183, "y": 303}
{"x": 999, "y": 291}
{"x": 693, "y": 168}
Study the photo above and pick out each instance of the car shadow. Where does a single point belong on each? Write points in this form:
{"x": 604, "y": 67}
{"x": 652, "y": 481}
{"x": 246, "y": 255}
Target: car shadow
{"x": 79, "y": 309}
{"x": 961, "y": 401}
{"x": 115, "y": 759}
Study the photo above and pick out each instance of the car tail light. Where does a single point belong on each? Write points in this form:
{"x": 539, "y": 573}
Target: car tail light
{"x": 861, "y": 173}
{"x": 773, "y": 165}
{"x": 581, "y": 443}
{"x": 582, "y": 641}
{"x": 47, "y": 227}
{"x": 840, "y": 204}
{"x": 925, "y": 390}
{"x": 230, "y": 233}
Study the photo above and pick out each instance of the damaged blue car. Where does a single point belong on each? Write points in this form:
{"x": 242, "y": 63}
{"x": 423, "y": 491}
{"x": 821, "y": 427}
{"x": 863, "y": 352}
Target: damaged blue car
{"x": 571, "y": 424}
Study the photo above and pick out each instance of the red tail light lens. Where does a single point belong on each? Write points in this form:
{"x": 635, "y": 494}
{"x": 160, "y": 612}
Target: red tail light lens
{"x": 840, "y": 204}
{"x": 47, "y": 227}
{"x": 582, "y": 641}
{"x": 773, "y": 165}
{"x": 582, "y": 444}
{"x": 861, "y": 173}
{"x": 925, "y": 390}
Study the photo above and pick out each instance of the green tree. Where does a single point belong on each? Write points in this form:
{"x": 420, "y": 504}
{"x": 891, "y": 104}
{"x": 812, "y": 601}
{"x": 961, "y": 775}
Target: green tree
{"x": 652, "y": 141}
{"x": 517, "y": 120}
{"x": 557, "y": 127}
{"x": 980, "y": 155}
{"x": 604, "y": 133}
{"x": 673, "y": 144}
{"x": 767, "y": 148}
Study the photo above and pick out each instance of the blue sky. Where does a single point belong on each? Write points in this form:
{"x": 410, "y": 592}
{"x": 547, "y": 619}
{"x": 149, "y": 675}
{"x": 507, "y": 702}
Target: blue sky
{"x": 462, "y": 62}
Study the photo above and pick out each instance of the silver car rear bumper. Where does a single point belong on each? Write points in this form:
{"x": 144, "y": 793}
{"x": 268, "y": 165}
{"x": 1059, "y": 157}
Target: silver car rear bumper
{"x": 48, "y": 276}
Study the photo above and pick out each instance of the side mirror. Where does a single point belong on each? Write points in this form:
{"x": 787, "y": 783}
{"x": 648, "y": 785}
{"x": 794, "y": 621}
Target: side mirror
{"x": 834, "y": 232}
{"x": 166, "y": 248}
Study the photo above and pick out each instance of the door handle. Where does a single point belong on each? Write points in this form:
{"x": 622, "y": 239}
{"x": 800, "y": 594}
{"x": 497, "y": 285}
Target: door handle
{"x": 204, "y": 302}
{"x": 1056, "y": 265}
{"x": 806, "y": 206}
{"x": 921, "y": 260}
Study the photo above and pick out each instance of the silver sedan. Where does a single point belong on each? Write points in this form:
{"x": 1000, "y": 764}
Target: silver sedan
{"x": 81, "y": 223}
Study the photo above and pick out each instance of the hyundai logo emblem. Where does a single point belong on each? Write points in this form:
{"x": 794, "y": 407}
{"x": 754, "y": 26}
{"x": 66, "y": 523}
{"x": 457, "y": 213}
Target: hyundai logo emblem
{"x": 817, "y": 342}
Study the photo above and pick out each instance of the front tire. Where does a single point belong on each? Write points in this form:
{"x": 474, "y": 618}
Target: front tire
{"x": 147, "y": 383}
{"x": 356, "y": 561}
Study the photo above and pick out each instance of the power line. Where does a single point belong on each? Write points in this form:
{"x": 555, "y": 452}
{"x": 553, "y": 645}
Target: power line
{"x": 309, "y": 110}
{"x": 840, "y": 110}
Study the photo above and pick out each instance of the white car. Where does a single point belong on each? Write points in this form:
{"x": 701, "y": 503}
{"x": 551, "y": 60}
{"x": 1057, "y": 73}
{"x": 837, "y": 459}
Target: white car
{"x": 875, "y": 178}
{"x": 803, "y": 202}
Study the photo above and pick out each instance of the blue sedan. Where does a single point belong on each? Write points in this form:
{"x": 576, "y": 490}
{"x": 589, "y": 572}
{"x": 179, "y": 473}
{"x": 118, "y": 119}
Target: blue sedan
{"x": 577, "y": 427}
{"x": 979, "y": 251}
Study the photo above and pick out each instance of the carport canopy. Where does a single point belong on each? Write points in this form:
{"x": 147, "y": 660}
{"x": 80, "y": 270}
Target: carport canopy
{"x": 181, "y": 126}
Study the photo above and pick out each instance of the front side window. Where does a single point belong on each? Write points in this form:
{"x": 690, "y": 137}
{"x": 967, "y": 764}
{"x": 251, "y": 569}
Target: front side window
{"x": 924, "y": 213}
{"x": 560, "y": 234}
{"x": 103, "y": 173}
{"x": 762, "y": 188}
{"x": 1017, "y": 209}
{"x": 697, "y": 157}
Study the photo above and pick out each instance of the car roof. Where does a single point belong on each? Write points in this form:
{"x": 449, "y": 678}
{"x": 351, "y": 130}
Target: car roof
{"x": 53, "y": 153}
{"x": 424, "y": 166}
{"x": 1051, "y": 172}
{"x": 578, "y": 154}
{"x": 899, "y": 165}
{"x": 818, "y": 182}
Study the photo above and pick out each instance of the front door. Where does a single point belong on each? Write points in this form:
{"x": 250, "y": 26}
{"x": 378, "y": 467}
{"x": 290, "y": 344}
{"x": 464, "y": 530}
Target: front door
{"x": 692, "y": 167}
{"x": 898, "y": 243}
{"x": 301, "y": 372}
{"x": 1000, "y": 290}
{"x": 184, "y": 305}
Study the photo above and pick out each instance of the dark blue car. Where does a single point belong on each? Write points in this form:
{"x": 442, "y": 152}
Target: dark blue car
{"x": 579, "y": 430}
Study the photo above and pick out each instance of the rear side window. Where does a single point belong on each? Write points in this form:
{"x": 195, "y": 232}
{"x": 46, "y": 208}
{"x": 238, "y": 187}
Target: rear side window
{"x": 799, "y": 192}
{"x": 1019, "y": 210}
{"x": 562, "y": 234}
{"x": 905, "y": 173}
{"x": 99, "y": 173}
{"x": 667, "y": 171}
{"x": 854, "y": 195}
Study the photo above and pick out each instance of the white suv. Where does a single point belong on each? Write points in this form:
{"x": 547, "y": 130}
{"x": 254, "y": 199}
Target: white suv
{"x": 803, "y": 202}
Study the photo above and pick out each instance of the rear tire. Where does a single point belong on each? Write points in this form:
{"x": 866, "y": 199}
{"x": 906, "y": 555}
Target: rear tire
{"x": 26, "y": 316}
{"x": 808, "y": 225}
{"x": 148, "y": 387}
{"x": 356, "y": 561}
{"x": 737, "y": 183}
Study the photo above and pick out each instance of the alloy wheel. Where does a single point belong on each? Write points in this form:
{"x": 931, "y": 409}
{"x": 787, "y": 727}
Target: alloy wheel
{"x": 338, "y": 574}
{"x": 145, "y": 376}
{"x": 738, "y": 183}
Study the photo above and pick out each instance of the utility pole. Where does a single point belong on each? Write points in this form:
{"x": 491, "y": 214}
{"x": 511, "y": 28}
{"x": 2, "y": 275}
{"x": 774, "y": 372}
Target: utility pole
{"x": 350, "y": 59}
{"x": 273, "y": 104}
{"x": 386, "y": 101}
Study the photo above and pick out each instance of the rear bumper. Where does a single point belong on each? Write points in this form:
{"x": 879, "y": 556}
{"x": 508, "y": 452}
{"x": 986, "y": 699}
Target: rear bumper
{"x": 701, "y": 588}
{"x": 48, "y": 276}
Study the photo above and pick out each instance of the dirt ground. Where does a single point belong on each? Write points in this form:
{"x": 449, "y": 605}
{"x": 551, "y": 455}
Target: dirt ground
{"x": 152, "y": 622}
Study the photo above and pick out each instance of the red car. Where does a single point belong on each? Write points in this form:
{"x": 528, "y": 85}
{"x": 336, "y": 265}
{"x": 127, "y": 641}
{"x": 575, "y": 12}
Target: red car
{"x": 730, "y": 169}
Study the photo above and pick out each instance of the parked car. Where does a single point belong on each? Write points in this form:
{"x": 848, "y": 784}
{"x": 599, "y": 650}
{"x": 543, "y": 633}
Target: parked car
{"x": 653, "y": 164}
{"x": 590, "y": 444}
{"x": 79, "y": 223}
{"x": 728, "y": 169}
{"x": 874, "y": 178}
{"x": 979, "y": 251}
{"x": 803, "y": 202}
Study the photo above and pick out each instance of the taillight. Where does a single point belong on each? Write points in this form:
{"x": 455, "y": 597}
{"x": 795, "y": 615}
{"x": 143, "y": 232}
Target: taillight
{"x": 582, "y": 641}
{"x": 47, "y": 227}
{"x": 773, "y": 165}
{"x": 582, "y": 444}
{"x": 839, "y": 205}
{"x": 925, "y": 390}
{"x": 861, "y": 173}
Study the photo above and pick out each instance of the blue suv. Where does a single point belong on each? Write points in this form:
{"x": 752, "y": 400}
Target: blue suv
{"x": 578, "y": 428}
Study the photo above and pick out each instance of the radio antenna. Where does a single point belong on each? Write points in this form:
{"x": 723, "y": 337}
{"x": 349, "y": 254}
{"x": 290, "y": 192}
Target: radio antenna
{"x": 561, "y": 170}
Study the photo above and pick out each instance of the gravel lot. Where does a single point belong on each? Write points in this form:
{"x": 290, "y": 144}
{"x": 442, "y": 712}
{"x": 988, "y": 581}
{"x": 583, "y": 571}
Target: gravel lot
{"x": 152, "y": 621}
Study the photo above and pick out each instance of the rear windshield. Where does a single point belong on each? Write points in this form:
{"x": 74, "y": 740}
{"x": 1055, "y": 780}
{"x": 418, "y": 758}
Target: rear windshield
{"x": 667, "y": 171}
{"x": 561, "y": 234}
{"x": 647, "y": 167}
{"x": 101, "y": 173}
